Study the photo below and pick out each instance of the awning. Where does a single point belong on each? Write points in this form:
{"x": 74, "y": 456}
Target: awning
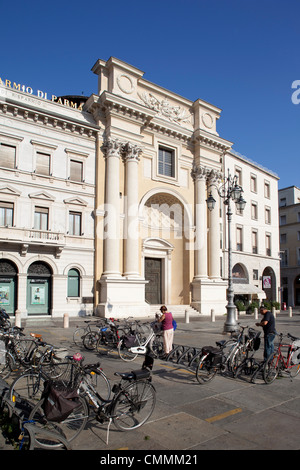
{"x": 248, "y": 289}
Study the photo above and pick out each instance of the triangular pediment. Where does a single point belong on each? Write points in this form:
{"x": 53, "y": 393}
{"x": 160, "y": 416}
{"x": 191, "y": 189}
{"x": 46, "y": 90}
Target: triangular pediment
{"x": 76, "y": 201}
{"x": 42, "y": 195}
{"x": 8, "y": 190}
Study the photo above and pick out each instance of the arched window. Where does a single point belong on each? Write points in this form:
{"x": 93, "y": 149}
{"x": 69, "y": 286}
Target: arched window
{"x": 73, "y": 283}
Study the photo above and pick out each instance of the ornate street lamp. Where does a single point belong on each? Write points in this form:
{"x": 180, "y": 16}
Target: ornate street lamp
{"x": 229, "y": 190}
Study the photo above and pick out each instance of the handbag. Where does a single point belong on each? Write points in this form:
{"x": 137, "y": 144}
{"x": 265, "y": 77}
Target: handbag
{"x": 174, "y": 325}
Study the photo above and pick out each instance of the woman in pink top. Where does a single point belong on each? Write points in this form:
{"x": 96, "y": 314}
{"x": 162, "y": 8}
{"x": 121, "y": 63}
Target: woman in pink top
{"x": 167, "y": 326}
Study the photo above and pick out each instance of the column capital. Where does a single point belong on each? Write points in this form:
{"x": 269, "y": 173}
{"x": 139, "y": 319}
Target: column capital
{"x": 131, "y": 152}
{"x": 215, "y": 176}
{"x": 200, "y": 172}
{"x": 112, "y": 147}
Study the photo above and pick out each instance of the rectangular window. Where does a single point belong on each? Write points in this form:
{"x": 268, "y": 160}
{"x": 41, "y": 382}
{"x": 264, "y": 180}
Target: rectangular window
{"x": 283, "y": 238}
{"x": 166, "y": 162}
{"x": 6, "y": 213}
{"x": 255, "y": 274}
{"x": 254, "y": 242}
{"x": 282, "y": 219}
{"x": 42, "y": 163}
{"x": 267, "y": 189}
{"x": 76, "y": 170}
{"x": 238, "y": 173}
{"x": 239, "y": 239}
{"x": 254, "y": 211}
{"x": 268, "y": 245}
{"x": 267, "y": 215}
{"x": 41, "y": 218}
{"x": 284, "y": 258}
{"x": 253, "y": 184}
{"x": 74, "y": 223}
{"x": 7, "y": 156}
{"x": 282, "y": 202}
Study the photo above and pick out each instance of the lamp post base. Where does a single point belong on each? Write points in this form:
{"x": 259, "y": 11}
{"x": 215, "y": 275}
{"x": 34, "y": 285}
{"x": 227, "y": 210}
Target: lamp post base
{"x": 230, "y": 324}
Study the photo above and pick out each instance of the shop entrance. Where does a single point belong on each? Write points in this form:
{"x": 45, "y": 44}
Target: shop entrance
{"x": 39, "y": 296}
{"x": 8, "y": 286}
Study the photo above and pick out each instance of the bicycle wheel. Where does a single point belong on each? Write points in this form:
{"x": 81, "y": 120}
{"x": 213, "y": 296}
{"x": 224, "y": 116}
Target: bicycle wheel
{"x": 100, "y": 383}
{"x": 78, "y": 335}
{"x": 69, "y": 429}
{"x": 294, "y": 370}
{"x": 28, "y": 386}
{"x": 90, "y": 340}
{"x": 271, "y": 368}
{"x": 236, "y": 360}
{"x": 124, "y": 352}
{"x": 133, "y": 405}
{"x": 8, "y": 366}
{"x": 205, "y": 371}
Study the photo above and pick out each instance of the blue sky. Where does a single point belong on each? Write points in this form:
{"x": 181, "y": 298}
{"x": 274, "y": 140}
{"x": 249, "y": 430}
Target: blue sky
{"x": 240, "y": 55}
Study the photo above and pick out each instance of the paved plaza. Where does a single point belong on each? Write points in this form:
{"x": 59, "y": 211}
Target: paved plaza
{"x": 225, "y": 414}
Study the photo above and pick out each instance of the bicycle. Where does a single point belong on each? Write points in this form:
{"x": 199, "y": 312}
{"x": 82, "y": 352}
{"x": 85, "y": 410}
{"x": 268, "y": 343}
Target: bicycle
{"x": 278, "y": 363}
{"x": 81, "y": 331}
{"x": 107, "y": 338}
{"x": 29, "y": 385}
{"x": 249, "y": 365}
{"x": 133, "y": 344}
{"x": 130, "y": 407}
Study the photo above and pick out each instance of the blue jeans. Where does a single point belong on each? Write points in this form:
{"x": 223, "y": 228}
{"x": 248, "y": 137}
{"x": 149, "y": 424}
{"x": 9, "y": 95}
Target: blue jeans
{"x": 269, "y": 345}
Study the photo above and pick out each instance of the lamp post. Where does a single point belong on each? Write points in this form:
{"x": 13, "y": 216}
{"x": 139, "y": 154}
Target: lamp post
{"x": 229, "y": 190}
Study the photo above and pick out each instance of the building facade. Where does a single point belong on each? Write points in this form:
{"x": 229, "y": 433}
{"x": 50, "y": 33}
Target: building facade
{"x": 255, "y": 234}
{"x": 289, "y": 225}
{"x": 103, "y": 205}
{"x": 47, "y": 199}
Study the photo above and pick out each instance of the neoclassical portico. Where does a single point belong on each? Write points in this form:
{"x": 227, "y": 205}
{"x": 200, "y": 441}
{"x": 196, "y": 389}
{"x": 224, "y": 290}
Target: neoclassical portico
{"x": 155, "y": 142}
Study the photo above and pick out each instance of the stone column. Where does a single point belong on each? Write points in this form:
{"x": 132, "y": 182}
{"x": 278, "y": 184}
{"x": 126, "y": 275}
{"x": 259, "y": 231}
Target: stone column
{"x": 111, "y": 235}
{"x": 131, "y": 260}
{"x": 200, "y": 174}
{"x": 214, "y": 227}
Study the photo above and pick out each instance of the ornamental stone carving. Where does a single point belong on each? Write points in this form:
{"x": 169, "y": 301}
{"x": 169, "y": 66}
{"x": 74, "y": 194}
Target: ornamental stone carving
{"x": 112, "y": 147}
{"x": 164, "y": 109}
{"x": 131, "y": 151}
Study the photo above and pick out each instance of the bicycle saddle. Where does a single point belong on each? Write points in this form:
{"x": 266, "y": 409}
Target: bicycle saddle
{"x": 134, "y": 374}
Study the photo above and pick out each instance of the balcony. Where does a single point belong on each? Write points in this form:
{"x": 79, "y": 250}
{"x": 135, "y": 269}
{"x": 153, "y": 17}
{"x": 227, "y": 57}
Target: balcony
{"x": 24, "y": 238}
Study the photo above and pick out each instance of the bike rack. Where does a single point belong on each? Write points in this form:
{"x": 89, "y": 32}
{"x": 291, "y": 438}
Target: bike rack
{"x": 184, "y": 355}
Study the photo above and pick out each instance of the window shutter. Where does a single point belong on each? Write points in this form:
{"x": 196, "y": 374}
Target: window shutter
{"x": 42, "y": 163}
{"x": 76, "y": 170}
{"x": 7, "y": 156}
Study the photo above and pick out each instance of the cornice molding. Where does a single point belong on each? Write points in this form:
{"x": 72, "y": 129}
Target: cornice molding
{"x": 13, "y": 109}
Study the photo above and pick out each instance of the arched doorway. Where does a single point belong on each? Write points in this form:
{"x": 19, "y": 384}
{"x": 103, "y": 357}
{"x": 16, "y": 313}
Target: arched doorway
{"x": 297, "y": 290}
{"x": 166, "y": 261}
{"x": 8, "y": 286}
{"x": 39, "y": 288}
{"x": 269, "y": 283}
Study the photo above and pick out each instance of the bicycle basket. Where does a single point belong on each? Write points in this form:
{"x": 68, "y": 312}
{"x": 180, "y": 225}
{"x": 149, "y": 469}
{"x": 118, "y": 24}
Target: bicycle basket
{"x": 59, "y": 401}
{"x": 156, "y": 326}
{"x": 214, "y": 354}
{"x": 129, "y": 341}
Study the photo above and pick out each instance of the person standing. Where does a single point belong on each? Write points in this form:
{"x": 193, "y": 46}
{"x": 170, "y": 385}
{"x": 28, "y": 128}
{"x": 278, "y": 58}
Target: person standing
{"x": 166, "y": 319}
{"x": 268, "y": 325}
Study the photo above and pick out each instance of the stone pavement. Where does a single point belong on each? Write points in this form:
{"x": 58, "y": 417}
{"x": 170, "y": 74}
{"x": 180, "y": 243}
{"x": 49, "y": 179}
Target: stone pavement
{"x": 225, "y": 414}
